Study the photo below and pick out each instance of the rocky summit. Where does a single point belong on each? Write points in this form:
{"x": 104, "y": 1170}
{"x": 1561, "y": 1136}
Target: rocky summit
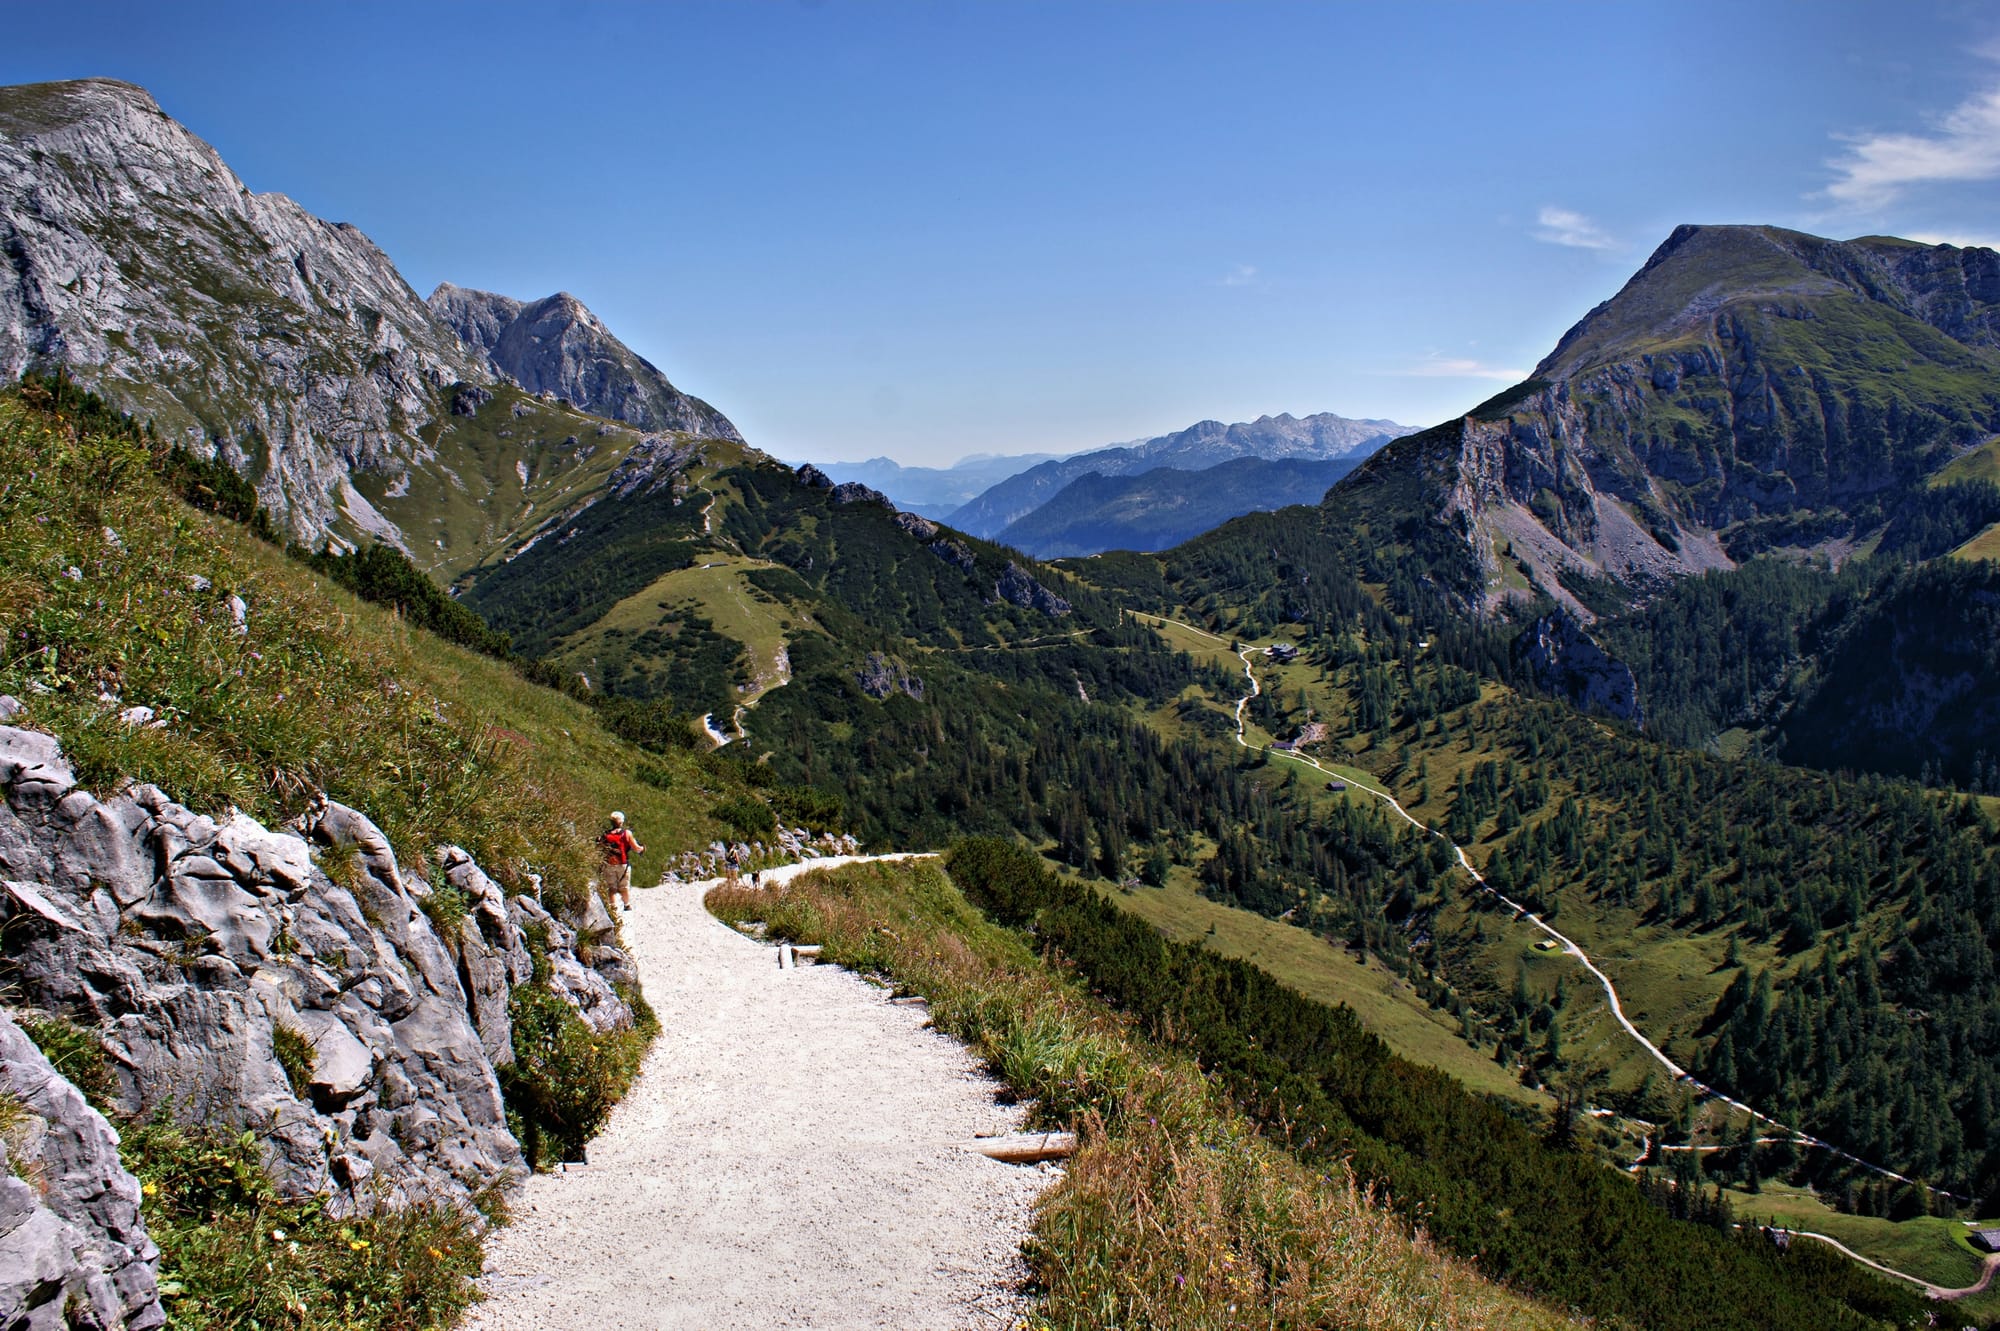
{"x": 135, "y": 260}
{"x": 557, "y": 346}
{"x": 1750, "y": 389}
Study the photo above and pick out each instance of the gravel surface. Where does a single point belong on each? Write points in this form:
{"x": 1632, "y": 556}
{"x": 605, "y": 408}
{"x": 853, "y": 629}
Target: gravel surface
{"x": 787, "y": 1158}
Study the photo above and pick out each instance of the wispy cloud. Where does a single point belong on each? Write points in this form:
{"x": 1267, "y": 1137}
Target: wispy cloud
{"x": 1242, "y": 275}
{"x": 1561, "y": 226}
{"x": 1963, "y": 145}
{"x": 1434, "y": 366}
{"x": 1962, "y": 239}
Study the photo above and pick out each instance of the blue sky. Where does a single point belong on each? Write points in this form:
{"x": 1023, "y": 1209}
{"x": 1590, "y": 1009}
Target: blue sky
{"x": 929, "y": 230}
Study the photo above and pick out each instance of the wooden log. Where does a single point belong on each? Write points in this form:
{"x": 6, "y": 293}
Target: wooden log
{"x": 1027, "y": 1148}
{"x": 806, "y": 950}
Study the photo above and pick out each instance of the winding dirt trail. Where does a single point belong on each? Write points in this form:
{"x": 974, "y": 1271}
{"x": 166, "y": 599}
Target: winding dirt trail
{"x": 787, "y": 1158}
{"x": 1568, "y": 945}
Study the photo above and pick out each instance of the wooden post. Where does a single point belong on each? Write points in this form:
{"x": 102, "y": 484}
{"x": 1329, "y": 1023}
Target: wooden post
{"x": 785, "y": 961}
{"x": 1026, "y": 1148}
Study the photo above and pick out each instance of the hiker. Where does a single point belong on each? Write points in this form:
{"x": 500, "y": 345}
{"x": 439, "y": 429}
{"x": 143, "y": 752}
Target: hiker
{"x": 619, "y": 848}
{"x": 735, "y": 866}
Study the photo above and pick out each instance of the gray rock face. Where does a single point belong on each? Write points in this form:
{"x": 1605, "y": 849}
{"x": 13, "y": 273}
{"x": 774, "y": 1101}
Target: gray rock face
{"x": 556, "y": 345}
{"x": 1017, "y": 587}
{"x": 73, "y": 1245}
{"x": 130, "y": 254}
{"x": 879, "y": 677}
{"x": 188, "y": 943}
{"x": 1567, "y": 663}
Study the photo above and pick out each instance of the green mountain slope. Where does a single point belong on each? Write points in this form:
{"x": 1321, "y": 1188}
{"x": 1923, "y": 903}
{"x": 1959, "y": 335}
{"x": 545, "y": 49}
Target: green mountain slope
{"x": 1749, "y": 389}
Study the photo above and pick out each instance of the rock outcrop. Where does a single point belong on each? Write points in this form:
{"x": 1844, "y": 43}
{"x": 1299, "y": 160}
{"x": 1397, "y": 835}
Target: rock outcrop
{"x": 879, "y": 677}
{"x": 1566, "y": 663}
{"x": 73, "y": 1245}
{"x": 132, "y": 257}
{"x": 556, "y": 345}
{"x": 189, "y": 943}
{"x": 1018, "y": 587}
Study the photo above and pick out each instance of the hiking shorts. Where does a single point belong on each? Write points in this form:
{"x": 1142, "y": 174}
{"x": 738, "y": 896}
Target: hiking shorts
{"x": 616, "y": 880}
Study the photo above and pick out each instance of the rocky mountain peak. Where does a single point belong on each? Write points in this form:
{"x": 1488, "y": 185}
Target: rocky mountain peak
{"x": 556, "y": 345}
{"x": 123, "y": 236}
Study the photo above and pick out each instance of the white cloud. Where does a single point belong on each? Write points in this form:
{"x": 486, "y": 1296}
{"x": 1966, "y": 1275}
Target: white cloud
{"x": 1242, "y": 275}
{"x": 1434, "y": 366}
{"x": 1963, "y": 240}
{"x": 1964, "y": 145}
{"x": 1560, "y": 226}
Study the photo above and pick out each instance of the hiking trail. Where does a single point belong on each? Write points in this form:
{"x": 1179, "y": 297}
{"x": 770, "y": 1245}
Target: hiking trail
{"x": 789, "y": 1157}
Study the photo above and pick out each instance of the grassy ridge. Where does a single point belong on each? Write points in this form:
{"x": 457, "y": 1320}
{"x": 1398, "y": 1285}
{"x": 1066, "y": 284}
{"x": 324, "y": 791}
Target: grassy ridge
{"x": 1177, "y": 1213}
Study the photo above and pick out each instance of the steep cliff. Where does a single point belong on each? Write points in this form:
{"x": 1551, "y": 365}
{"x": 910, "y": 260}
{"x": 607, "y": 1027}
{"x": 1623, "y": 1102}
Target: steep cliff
{"x": 135, "y": 259}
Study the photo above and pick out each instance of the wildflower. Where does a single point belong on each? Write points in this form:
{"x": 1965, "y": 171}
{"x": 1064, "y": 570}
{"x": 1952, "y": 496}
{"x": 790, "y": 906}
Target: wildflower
{"x": 278, "y": 1234}
{"x": 357, "y": 1244}
{"x": 151, "y": 1189}
{"x": 438, "y": 1255}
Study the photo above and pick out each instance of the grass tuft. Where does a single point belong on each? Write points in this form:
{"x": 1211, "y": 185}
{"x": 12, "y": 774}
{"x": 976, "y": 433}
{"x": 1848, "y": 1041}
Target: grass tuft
{"x": 1175, "y": 1213}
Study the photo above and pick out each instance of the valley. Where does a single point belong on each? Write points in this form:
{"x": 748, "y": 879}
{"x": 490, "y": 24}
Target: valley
{"x": 1551, "y": 844}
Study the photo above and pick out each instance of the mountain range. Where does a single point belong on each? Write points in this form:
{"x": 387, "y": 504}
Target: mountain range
{"x": 934, "y": 492}
{"x": 1753, "y": 492}
{"x": 1202, "y": 445}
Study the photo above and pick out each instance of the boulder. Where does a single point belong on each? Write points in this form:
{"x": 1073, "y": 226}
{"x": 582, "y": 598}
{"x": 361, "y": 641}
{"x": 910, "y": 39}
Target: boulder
{"x": 75, "y": 1239}
{"x": 186, "y": 943}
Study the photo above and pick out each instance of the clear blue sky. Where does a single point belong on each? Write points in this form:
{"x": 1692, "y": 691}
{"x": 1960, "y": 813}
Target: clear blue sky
{"x": 927, "y": 230}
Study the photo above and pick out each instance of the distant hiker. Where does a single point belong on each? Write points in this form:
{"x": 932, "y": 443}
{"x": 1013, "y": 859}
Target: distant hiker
{"x": 619, "y": 848}
{"x": 756, "y": 878}
{"x": 735, "y": 865}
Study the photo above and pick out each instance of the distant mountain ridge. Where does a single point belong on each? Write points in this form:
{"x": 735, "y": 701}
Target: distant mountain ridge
{"x": 934, "y": 492}
{"x": 556, "y": 345}
{"x": 1165, "y": 506}
{"x": 1200, "y": 446}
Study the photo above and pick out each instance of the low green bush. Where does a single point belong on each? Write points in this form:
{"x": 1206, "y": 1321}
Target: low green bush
{"x": 234, "y": 1255}
{"x": 77, "y": 1053}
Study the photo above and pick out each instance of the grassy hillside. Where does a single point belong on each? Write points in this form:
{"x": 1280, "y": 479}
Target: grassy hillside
{"x": 1178, "y": 1212}
{"x": 115, "y": 595}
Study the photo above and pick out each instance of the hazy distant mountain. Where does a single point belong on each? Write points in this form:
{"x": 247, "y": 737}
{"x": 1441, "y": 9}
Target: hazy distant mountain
{"x": 1167, "y": 505}
{"x": 934, "y": 492}
{"x": 1196, "y": 448}
{"x": 556, "y": 345}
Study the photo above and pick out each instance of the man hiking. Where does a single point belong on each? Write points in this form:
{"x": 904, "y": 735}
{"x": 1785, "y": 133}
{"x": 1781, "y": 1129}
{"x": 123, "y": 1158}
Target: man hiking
{"x": 619, "y": 848}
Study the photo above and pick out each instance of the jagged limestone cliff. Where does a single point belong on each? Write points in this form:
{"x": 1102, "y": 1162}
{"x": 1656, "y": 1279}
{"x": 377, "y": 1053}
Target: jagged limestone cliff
{"x": 138, "y": 262}
{"x": 206, "y": 955}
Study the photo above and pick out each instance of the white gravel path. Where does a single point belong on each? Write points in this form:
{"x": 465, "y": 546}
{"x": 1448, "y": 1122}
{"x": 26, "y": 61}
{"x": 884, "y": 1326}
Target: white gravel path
{"x": 787, "y": 1158}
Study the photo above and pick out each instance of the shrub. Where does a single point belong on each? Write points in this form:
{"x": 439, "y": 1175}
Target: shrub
{"x": 77, "y": 1053}
{"x": 565, "y": 1078}
{"x": 296, "y": 1056}
{"x": 746, "y": 816}
{"x": 233, "y": 1254}
{"x": 651, "y": 725}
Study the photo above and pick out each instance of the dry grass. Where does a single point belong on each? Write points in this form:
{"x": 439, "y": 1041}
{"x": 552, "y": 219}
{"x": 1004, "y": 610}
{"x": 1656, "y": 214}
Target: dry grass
{"x": 1175, "y": 1213}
